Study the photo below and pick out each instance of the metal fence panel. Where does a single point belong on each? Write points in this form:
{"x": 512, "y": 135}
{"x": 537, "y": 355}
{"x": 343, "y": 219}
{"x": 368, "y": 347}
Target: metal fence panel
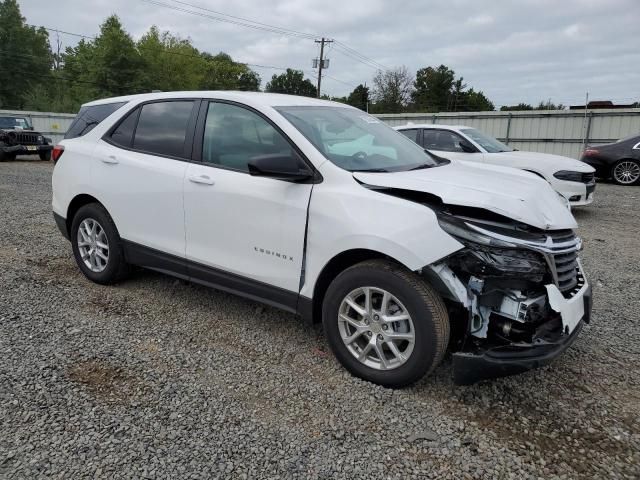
{"x": 561, "y": 132}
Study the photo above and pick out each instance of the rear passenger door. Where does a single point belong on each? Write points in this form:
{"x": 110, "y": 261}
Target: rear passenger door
{"x": 243, "y": 232}
{"x": 139, "y": 172}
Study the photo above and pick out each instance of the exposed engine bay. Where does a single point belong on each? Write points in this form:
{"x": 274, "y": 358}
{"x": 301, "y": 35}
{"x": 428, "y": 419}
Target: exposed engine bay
{"x": 509, "y": 287}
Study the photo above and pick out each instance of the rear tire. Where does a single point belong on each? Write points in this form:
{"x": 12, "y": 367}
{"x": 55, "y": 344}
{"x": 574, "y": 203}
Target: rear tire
{"x": 407, "y": 295}
{"x": 626, "y": 172}
{"x": 97, "y": 248}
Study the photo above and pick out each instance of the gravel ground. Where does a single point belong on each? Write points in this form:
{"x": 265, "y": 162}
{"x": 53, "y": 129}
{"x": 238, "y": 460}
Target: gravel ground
{"x": 157, "y": 378}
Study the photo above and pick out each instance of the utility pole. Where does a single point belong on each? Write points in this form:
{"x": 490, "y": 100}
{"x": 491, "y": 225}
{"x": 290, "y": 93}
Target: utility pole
{"x": 321, "y": 62}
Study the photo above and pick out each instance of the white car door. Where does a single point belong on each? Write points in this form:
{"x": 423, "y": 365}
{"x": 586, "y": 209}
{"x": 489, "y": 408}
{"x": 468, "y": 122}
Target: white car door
{"x": 446, "y": 143}
{"x": 139, "y": 174}
{"x": 243, "y": 228}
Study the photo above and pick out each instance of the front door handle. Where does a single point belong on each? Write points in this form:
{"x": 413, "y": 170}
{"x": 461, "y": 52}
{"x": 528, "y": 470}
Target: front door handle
{"x": 110, "y": 159}
{"x": 203, "y": 179}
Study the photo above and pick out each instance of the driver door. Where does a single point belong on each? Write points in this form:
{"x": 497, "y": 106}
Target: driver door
{"x": 246, "y": 230}
{"x": 446, "y": 143}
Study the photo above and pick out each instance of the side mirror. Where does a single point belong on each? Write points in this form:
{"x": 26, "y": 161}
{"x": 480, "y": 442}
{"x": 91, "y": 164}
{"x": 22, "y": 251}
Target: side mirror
{"x": 279, "y": 166}
{"x": 467, "y": 147}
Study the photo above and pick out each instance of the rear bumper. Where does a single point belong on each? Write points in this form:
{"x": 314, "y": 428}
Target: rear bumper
{"x": 26, "y": 149}
{"x": 472, "y": 367}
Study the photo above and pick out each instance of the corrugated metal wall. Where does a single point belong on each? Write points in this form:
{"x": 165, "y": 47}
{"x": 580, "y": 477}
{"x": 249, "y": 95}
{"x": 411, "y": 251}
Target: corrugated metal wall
{"x": 555, "y": 131}
{"x": 549, "y": 131}
{"x": 53, "y": 125}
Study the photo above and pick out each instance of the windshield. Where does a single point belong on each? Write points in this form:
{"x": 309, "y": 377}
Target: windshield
{"x": 15, "y": 122}
{"x": 356, "y": 141}
{"x": 490, "y": 144}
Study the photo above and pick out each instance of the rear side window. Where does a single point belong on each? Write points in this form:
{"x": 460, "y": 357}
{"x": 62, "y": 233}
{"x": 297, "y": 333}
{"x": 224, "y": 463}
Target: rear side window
{"x": 123, "y": 134}
{"x": 89, "y": 117}
{"x": 162, "y": 128}
{"x": 411, "y": 134}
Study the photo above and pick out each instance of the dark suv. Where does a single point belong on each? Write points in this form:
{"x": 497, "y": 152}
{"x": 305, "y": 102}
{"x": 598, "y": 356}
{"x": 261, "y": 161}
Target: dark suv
{"x": 17, "y": 137}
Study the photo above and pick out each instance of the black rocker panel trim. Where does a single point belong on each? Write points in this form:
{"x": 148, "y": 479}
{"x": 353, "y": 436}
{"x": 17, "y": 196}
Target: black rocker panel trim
{"x": 147, "y": 257}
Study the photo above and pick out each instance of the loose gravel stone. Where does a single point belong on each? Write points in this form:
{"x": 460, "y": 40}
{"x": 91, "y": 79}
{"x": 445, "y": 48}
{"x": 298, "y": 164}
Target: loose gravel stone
{"x": 158, "y": 378}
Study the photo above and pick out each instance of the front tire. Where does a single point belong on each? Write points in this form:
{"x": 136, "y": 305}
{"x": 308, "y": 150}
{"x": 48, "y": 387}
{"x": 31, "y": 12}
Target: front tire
{"x": 96, "y": 245}
{"x": 385, "y": 324}
{"x": 626, "y": 172}
{"x": 45, "y": 156}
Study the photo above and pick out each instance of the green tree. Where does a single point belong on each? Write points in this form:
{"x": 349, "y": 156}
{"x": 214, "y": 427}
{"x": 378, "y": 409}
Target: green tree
{"x": 435, "y": 89}
{"x": 392, "y": 90}
{"x": 473, "y": 101}
{"x": 438, "y": 90}
{"x": 520, "y": 106}
{"x": 107, "y": 66}
{"x": 359, "y": 98}
{"x": 548, "y": 105}
{"x": 169, "y": 62}
{"x": 292, "y": 82}
{"x": 222, "y": 73}
{"x": 25, "y": 56}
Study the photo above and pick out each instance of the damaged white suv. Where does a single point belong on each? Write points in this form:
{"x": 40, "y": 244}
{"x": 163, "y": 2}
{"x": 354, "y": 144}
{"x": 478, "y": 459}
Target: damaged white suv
{"x": 322, "y": 210}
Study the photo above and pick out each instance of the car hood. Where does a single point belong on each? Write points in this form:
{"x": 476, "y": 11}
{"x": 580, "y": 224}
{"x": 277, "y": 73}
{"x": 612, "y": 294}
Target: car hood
{"x": 509, "y": 192}
{"x": 543, "y": 161}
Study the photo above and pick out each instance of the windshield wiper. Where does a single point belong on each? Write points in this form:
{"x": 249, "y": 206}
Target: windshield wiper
{"x": 372, "y": 170}
{"x": 421, "y": 166}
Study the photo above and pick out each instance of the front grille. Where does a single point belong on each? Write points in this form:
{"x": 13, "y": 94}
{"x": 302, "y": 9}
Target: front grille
{"x": 25, "y": 138}
{"x": 588, "y": 177}
{"x": 565, "y": 247}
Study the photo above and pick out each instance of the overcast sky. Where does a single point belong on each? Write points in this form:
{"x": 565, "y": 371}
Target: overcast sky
{"x": 520, "y": 50}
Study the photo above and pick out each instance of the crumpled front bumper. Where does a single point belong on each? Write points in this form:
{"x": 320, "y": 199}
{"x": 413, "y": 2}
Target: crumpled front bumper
{"x": 472, "y": 367}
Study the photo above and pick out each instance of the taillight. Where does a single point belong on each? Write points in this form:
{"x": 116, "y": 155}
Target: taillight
{"x": 591, "y": 151}
{"x": 57, "y": 152}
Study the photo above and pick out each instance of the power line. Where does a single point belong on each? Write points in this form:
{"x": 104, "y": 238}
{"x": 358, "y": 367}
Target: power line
{"x": 344, "y": 49}
{"x": 291, "y": 31}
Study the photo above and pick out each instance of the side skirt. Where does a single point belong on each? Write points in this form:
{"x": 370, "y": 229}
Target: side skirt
{"x": 153, "y": 259}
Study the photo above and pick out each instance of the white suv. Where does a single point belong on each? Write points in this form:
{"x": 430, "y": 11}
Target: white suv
{"x": 320, "y": 209}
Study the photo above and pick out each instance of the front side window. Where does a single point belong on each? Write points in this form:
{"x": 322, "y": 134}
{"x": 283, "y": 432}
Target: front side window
{"x": 355, "y": 141}
{"x": 490, "y": 144}
{"x": 89, "y": 117}
{"x": 162, "y": 128}
{"x": 442, "y": 140}
{"x": 234, "y": 135}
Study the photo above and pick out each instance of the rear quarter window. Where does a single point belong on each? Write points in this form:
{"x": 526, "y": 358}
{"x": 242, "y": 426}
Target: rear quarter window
{"x": 89, "y": 117}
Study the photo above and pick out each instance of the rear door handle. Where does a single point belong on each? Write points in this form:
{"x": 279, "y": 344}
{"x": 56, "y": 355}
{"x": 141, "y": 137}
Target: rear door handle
{"x": 110, "y": 159}
{"x": 204, "y": 179}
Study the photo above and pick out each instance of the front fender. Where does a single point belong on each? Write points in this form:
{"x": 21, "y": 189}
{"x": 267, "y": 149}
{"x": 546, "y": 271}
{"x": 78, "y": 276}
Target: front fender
{"x": 359, "y": 218}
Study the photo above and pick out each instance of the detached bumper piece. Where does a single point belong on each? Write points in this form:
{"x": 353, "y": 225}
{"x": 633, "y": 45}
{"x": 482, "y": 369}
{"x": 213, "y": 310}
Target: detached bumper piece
{"x": 501, "y": 361}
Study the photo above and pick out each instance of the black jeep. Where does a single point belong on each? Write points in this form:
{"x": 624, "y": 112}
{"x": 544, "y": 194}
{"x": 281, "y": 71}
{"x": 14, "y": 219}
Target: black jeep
{"x": 17, "y": 137}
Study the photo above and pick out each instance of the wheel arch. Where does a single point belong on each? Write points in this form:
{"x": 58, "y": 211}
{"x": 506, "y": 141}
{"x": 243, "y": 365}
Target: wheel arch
{"x": 76, "y": 203}
{"x": 333, "y": 268}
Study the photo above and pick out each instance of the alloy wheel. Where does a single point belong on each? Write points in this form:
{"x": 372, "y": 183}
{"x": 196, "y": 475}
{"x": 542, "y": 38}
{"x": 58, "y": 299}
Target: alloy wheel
{"x": 626, "y": 172}
{"x": 376, "y": 328}
{"x": 93, "y": 245}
